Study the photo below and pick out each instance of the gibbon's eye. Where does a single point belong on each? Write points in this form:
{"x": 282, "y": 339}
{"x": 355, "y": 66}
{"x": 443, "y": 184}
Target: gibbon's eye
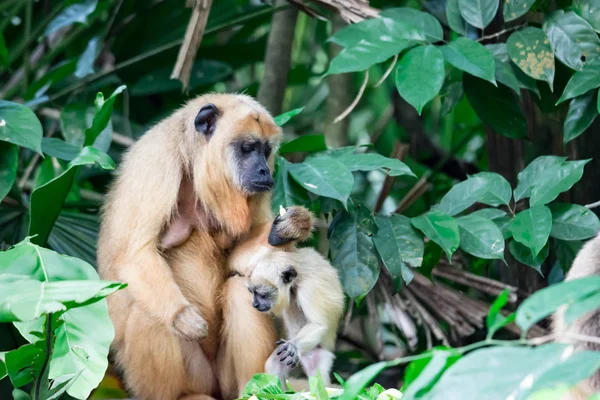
{"x": 248, "y": 147}
{"x": 267, "y": 150}
{"x": 288, "y": 274}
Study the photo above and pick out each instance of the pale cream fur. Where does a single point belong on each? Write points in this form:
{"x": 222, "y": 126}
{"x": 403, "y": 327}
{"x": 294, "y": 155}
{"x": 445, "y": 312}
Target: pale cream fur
{"x": 181, "y": 327}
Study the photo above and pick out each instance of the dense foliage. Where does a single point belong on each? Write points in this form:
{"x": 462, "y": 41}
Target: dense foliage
{"x": 82, "y": 79}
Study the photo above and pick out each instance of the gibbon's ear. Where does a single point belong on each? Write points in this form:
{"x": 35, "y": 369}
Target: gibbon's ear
{"x": 288, "y": 274}
{"x": 206, "y": 120}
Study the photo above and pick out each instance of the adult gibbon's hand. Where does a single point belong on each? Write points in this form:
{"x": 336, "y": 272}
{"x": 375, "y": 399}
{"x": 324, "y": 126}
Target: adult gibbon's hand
{"x": 189, "y": 324}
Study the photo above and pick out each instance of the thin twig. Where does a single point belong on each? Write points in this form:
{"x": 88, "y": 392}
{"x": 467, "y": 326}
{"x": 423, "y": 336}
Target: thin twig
{"x": 502, "y": 32}
{"x": 356, "y": 100}
{"x": 388, "y": 71}
{"x": 592, "y": 205}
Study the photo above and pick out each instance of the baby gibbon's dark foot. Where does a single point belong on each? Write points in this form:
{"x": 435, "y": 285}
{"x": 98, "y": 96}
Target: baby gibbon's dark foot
{"x": 287, "y": 353}
{"x": 189, "y": 324}
{"x": 292, "y": 224}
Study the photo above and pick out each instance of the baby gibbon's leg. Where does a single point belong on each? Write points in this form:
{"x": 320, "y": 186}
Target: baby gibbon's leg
{"x": 320, "y": 360}
{"x": 247, "y": 339}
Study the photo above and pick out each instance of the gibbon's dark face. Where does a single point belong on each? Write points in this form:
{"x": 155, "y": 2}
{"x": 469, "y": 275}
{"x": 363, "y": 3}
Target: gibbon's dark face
{"x": 251, "y": 155}
{"x": 265, "y": 294}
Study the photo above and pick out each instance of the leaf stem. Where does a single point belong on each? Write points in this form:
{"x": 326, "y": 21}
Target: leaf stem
{"x": 502, "y": 32}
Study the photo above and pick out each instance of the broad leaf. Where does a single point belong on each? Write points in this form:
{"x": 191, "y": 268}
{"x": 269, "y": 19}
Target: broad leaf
{"x": 358, "y": 381}
{"x": 513, "y": 9}
{"x": 573, "y": 222}
{"x": 530, "y": 50}
{"x": 525, "y": 255}
{"x": 102, "y": 117}
{"x": 427, "y": 371}
{"x": 478, "y": 13}
{"x": 555, "y": 180}
{"x": 489, "y": 213}
{"x": 370, "y": 162}
{"x": 504, "y": 69}
{"x": 304, "y": 143}
{"x": 496, "y": 106}
{"x": 574, "y": 41}
{"x": 75, "y": 13}
{"x": 353, "y": 253}
{"x": 365, "y": 54}
{"x": 286, "y": 191}
{"x": 582, "y": 81}
{"x": 441, "y": 228}
{"x": 480, "y": 237}
{"x": 590, "y": 11}
{"x": 20, "y": 126}
{"x": 85, "y": 64}
{"x": 420, "y": 75}
{"x": 582, "y": 112}
{"x": 497, "y": 189}
{"x": 532, "y": 173}
{"x": 471, "y": 57}
{"x": 24, "y": 363}
{"x": 566, "y": 251}
{"x": 463, "y": 195}
{"x": 456, "y": 22}
{"x": 47, "y": 200}
{"x": 532, "y": 228}
{"x": 58, "y": 148}
{"x": 9, "y": 159}
{"x": 495, "y": 320}
{"x": 284, "y": 118}
{"x": 324, "y": 176}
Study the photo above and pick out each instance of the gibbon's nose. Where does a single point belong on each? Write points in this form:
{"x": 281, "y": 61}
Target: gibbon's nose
{"x": 262, "y": 172}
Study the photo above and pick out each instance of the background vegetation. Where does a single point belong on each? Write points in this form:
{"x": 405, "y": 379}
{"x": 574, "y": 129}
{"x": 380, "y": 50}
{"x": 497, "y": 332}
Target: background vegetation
{"x": 448, "y": 147}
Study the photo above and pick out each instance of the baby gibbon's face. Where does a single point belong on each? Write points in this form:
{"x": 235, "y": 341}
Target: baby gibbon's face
{"x": 270, "y": 286}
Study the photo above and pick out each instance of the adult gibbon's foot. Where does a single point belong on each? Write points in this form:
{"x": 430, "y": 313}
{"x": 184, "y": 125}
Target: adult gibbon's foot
{"x": 292, "y": 224}
{"x": 189, "y": 324}
{"x": 287, "y": 353}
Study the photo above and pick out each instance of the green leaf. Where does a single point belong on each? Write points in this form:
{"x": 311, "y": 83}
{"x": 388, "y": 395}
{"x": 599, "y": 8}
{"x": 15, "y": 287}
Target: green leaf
{"x": 441, "y": 228}
{"x": 574, "y": 41}
{"x": 546, "y": 301}
{"x": 9, "y": 159}
{"x": 489, "y": 213}
{"x": 25, "y": 363}
{"x": 471, "y": 57}
{"x": 424, "y": 373}
{"x": 317, "y": 387}
{"x": 75, "y": 13}
{"x": 504, "y": 69}
{"x": 352, "y": 251}
{"x": 365, "y": 54}
{"x": 555, "y": 180}
{"x": 325, "y": 176}
{"x": 513, "y": 9}
{"x": 19, "y": 394}
{"x": 495, "y": 320}
{"x": 525, "y": 255}
{"x": 304, "y": 143}
{"x": 566, "y": 251}
{"x": 262, "y": 384}
{"x": 286, "y": 191}
{"x": 455, "y": 20}
{"x": 511, "y": 372}
{"x": 463, "y": 195}
{"x": 480, "y": 237}
{"x": 20, "y": 126}
{"x": 532, "y": 173}
{"x": 590, "y": 11}
{"x": 371, "y": 162}
{"x": 532, "y": 228}
{"x": 496, "y": 106}
{"x": 478, "y": 13}
{"x": 104, "y": 109}
{"x": 582, "y": 112}
{"x": 47, "y": 200}
{"x": 530, "y": 50}
{"x": 598, "y": 101}
{"x": 573, "y": 222}
{"x": 433, "y": 255}
{"x": 582, "y": 81}
{"x": 3, "y": 51}
{"x": 25, "y": 299}
{"x": 420, "y": 75}
{"x": 85, "y": 64}
{"x": 398, "y": 244}
{"x": 58, "y": 148}
{"x": 358, "y": 381}
{"x": 3, "y": 372}
{"x": 498, "y": 191}
{"x": 284, "y": 118}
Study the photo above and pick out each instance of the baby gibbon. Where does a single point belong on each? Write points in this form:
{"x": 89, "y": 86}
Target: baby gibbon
{"x": 301, "y": 287}
{"x": 586, "y": 263}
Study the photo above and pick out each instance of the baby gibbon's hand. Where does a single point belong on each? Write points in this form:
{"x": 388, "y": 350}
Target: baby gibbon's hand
{"x": 189, "y": 324}
{"x": 292, "y": 224}
{"x": 288, "y": 353}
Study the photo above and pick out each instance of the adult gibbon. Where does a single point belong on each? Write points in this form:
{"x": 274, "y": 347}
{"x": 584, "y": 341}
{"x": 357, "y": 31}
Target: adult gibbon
{"x": 298, "y": 285}
{"x": 586, "y": 263}
{"x": 192, "y": 186}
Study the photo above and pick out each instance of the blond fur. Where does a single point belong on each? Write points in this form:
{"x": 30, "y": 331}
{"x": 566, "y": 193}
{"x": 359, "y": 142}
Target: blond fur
{"x": 586, "y": 263}
{"x": 181, "y": 327}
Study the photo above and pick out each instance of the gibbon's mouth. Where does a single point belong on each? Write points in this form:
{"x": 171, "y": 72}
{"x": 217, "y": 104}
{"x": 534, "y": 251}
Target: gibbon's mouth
{"x": 263, "y": 308}
{"x": 260, "y": 187}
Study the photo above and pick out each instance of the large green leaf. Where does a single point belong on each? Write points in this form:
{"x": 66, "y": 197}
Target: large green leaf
{"x": 47, "y": 200}
{"x": 573, "y": 222}
{"x": 398, "y": 244}
{"x": 530, "y": 50}
{"x": 325, "y": 176}
{"x": 590, "y": 11}
{"x": 365, "y": 54}
{"x": 456, "y": 22}
{"x": 555, "y": 180}
{"x": 582, "y": 81}
{"x": 102, "y": 116}
{"x": 513, "y": 9}
{"x": 478, "y": 13}
{"x": 480, "y": 237}
{"x": 58, "y": 148}
{"x": 582, "y": 112}
{"x": 574, "y": 41}
{"x": 525, "y": 255}
{"x": 75, "y": 13}
{"x": 441, "y": 228}
{"x": 420, "y": 75}
{"x": 304, "y": 143}
{"x": 498, "y": 191}
{"x": 284, "y": 118}
{"x": 352, "y": 251}
{"x": 496, "y": 106}
{"x": 422, "y": 374}
{"x": 463, "y": 195}
{"x": 532, "y": 228}
{"x": 532, "y": 173}
{"x": 471, "y": 57}
{"x": 370, "y": 162}
{"x": 286, "y": 192}
{"x": 20, "y": 126}
{"x": 25, "y": 299}
{"x": 502, "y": 372}
{"x": 9, "y": 158}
